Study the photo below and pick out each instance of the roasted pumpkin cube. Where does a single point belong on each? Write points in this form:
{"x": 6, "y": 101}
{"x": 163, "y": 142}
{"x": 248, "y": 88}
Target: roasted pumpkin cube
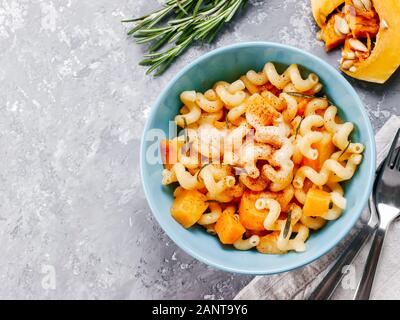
{"x": 188, "y": 207}
{"x": 317, "y": 203}
{"x": 250, "y": 217}
{"x": 228, "y": 228}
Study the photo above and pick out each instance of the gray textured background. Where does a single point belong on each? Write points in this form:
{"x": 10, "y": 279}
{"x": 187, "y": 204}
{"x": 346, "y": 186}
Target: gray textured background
{"x": 73, "y": 102}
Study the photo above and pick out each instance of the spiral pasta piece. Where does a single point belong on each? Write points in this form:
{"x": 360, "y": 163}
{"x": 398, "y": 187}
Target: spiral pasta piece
{"x": 329, "y": 166}
{"x": 179, "y": 174}
{"x": 281, "y": 158}
{"x": 305, "y": 144}
{"x": 213, "y": 104}
{"x": 291, "y": 74}
{"x": 298, "y": 243}
{"x": 247, "y": 244}
{"x": 234, "y": 115}
{"x": 213, "y": 180}
{"x": 212, "y": 216}
{"x": 250, "y": 153}
{"x": 310, "y": 122}
{"x": 313, "y": 223}
{"x": 314, "y": 105}
{"x": 188, "y": 98}
{"x": 274, "y": 210}
{"x": 291, "y": 107}
{"x": 257, "y": 78}
{"x": 250, "y": 86}
{"x": 210, "y": 117}
{"x": 231, "y": 94}
{"x": 338, "y": 201}
{"x": 341, "y": 132}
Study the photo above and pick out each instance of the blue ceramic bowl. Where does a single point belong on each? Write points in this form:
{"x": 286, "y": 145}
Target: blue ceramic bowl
{"x": 228, "y": 64}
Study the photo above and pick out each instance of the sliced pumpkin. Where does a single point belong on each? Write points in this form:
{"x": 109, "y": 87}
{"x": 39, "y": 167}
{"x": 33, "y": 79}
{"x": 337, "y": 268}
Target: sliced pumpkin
{"x": 321, "y": 9}
{"x": 381, "y": 60}
{"x": 384, "y": 58}
{"x": 329, "y": 35}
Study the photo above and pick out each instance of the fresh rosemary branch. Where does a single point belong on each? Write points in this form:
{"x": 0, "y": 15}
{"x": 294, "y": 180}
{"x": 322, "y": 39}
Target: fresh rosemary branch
{"x": 180, "y": 23}
{"x": 287, "y": 225}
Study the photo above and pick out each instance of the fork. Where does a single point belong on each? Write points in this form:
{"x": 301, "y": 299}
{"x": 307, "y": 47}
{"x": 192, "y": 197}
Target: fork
{"x": 332, "y": 279}
{"x": 386, "y": 193}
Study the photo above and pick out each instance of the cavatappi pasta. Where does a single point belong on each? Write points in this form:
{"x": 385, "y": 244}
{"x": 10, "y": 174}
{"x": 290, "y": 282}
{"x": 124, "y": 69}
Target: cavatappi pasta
{"x": 260, "y": 160}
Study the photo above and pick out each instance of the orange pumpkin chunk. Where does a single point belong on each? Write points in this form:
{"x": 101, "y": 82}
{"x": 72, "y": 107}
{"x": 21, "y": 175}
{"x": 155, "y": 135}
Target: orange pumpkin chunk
{"x": 317, "y": 203}
{"x": 250, "y": 217}
{"x": 188, "y": 207}
{"x": 228, "y": 228}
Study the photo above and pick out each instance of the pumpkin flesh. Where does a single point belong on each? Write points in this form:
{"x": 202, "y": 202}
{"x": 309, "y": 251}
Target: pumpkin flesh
{"x": 381, "y": 22}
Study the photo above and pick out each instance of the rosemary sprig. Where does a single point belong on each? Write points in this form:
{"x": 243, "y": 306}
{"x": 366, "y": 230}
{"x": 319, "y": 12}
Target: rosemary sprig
{"x": 298, "y": 128}
{"x": 301, "y": 95}
{"x": 344, "y": 150}
{"x": 307, "y": 96}
{"x": 287, "y": 225}
{"x": 180, "y": 23}
{"x": 186, "y": 135}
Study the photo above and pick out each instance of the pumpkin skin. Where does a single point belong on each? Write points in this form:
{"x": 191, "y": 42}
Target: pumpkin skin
{"x": 321, "y": 9}
{"x": 385, "y": 56}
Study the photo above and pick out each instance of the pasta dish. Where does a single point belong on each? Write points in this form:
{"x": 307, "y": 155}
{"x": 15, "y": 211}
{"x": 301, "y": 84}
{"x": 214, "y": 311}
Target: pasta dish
{"x": 259, "y": 162}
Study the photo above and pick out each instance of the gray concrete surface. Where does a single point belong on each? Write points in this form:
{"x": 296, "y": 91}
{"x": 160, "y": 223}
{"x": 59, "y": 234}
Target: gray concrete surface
{"x": 74, "y": 222}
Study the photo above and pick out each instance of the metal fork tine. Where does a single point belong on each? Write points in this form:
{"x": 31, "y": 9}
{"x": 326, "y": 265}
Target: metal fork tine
{"x": 391, "y": 158}
{"x": 397, "y": 161}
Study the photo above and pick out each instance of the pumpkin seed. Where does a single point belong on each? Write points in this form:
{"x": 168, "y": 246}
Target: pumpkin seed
{"x": 367, "y": 4}
{"x": 347, "y": 64}
{"x": 349, "y": 55}
{"x": 358, "y": 54}
{"x": 358, "y": 4}
{"x": 363, "y": 4}
{"x": 341, "y": 26}
{"x": 383, "y": 25}
{"x": 357, "y": 45}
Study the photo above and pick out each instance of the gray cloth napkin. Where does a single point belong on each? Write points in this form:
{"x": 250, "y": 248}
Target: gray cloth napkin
{"x": 299, "y": 284}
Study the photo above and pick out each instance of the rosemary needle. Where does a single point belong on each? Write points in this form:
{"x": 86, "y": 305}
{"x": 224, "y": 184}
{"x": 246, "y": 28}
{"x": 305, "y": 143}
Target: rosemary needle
{"x": 180, "y": 23}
